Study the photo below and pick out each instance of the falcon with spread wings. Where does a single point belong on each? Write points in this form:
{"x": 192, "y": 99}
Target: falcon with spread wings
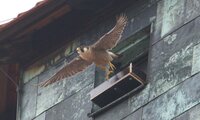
{"x": 99, "y": 53}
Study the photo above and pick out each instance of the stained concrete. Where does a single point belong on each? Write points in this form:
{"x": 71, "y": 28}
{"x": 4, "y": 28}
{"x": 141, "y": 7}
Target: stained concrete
{"x": 192, "y": 114}
{"x": 29, "y": 100}
{"x": 57, "y": 92}
{"x": 196, "y": 59}
{"x": 74, "y": 108}
{"x": 177, "y": 100}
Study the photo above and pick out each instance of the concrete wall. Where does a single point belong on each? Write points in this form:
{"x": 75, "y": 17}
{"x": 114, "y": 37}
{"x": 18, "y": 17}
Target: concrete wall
{"x": 173, "y": 77}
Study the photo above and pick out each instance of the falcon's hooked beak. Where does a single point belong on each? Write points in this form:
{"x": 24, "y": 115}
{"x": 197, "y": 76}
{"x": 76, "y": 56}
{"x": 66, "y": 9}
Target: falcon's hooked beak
{"x": 78, "y": 49}
{"x": 81, "y": 50}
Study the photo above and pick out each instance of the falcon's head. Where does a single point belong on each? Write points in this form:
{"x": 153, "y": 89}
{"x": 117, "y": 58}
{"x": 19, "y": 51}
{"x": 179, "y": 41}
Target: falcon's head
{"x": 81, "y": 49}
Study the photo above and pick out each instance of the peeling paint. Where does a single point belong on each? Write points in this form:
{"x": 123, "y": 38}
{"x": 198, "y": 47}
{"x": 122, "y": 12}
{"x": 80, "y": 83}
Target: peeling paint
{"x": 196, "y": 60}
{"x": 173, "y": 13}
{"x": 169, "y": 39}
{"x": 174, "y": 102}
{"x": 192, "y": 9}
{"x": 179, "y": 55}
{"x": 77, "y": 115}
{"x": 176, "y": 68}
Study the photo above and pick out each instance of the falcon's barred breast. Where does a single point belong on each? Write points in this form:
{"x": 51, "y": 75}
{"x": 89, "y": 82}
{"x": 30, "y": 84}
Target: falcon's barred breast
{"x": 97, "y": 53}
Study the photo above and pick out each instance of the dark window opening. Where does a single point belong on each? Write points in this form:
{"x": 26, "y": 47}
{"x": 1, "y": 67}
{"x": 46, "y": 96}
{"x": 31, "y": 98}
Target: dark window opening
{"x": 132, "y": 50}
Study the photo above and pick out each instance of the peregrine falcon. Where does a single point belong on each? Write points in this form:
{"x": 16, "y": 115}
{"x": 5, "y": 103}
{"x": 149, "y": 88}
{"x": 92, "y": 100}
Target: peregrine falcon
{"x": 99, "y": 53}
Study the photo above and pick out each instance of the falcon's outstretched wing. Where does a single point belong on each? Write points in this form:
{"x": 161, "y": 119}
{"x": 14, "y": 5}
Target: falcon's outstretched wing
{"x": 110, "y": 39}
{"x": 70, "y": 69}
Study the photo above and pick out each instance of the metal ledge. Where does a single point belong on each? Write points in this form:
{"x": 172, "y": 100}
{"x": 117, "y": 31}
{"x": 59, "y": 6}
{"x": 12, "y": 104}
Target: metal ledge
{"x": 116, "y": 89}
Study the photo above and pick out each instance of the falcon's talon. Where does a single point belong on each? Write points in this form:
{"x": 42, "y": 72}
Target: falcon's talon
{"x": 108, "y": 74}
{"x": 112, "y": 66}
{"x": 107, "y": 77}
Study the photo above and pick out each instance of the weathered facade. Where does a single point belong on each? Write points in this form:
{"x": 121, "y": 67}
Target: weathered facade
{"x": 173, "y": 74}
